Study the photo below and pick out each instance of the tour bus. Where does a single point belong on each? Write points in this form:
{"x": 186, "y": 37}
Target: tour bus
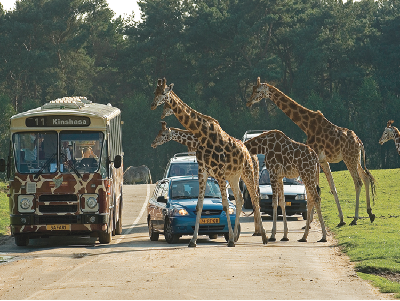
{"x": 65, "y": 171}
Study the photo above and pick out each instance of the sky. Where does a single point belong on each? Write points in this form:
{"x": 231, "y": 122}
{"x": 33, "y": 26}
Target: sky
{"x": 120, "y": 7}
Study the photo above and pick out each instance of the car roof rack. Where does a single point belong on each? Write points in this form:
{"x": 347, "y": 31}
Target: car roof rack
{"x": 184, "y": 154}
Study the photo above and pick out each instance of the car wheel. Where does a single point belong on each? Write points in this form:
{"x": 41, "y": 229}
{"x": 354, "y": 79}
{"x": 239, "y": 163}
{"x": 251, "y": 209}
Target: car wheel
{"x": 118, "y": 226}
{"x": 21, "y": 240}
{"x": 105, "y": 237}
{"x": 247, "y": 200}
{"x": 170, "y": 237}
{"x": 226, "y": 235}
{"x": 304, "y": 214}
{"x": 213, "y": 236}
{"x": 153, "y": 235}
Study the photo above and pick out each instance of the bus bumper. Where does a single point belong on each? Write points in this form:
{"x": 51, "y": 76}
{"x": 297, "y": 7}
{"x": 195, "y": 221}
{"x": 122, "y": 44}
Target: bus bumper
{"x": 37, "y": 225}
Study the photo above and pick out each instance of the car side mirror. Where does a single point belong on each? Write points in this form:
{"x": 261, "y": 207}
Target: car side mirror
{"x": 231, "y": 197}
{"x": 2, "y": 165}
{"x": 162, "y": 199}
{"x": 117, "y": 161}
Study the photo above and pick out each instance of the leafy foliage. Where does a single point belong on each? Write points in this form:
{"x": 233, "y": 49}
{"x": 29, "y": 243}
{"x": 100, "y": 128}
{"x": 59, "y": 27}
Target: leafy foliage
{"x": 339, "y": 58}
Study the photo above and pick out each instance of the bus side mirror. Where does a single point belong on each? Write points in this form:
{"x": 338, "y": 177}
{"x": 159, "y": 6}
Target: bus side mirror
{"x": 2, "y": 165}
{"x": 117, "y": 161}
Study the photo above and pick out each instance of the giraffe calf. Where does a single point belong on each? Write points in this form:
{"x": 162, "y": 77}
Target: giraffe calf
{"x": 285, "y": 157}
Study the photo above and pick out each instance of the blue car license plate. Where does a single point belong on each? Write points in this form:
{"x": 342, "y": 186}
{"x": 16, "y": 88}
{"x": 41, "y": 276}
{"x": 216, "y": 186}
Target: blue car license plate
{"x": 209, "y": 221}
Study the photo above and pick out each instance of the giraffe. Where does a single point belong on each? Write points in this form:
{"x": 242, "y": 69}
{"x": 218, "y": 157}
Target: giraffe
{"x": 219, "y": 155}
{"x": 391, "y": 132}
{"x": 188, "y": 139}
{"x": 331, "y": 143}
{"x": 184, "y": 137}
{"x": 285, "y": 157}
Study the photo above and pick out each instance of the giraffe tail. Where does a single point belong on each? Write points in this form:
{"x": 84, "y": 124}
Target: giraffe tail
{"x": 372, "y": 180}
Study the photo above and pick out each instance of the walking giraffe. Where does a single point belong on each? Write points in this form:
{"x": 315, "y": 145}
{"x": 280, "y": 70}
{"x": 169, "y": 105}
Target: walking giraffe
{"x": 389, "y": 133}
{"x": 285, "y": 157}
{"x": 218, "y": 155}
{"x": 331, "y": 143}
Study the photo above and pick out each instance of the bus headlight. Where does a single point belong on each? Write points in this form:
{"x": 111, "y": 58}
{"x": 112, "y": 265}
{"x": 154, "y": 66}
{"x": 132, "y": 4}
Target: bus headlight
{"x": 25, "y": 203}
{"x": 90, "y": 203}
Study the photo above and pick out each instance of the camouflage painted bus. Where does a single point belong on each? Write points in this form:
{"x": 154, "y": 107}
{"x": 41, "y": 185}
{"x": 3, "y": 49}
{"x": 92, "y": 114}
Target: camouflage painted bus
{"x": 65, "y": 171}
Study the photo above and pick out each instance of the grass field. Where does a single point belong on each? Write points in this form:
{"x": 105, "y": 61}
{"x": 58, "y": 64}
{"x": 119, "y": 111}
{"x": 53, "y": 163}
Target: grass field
{"x": 374, "y": 247}
{"x": 4, "y": 214}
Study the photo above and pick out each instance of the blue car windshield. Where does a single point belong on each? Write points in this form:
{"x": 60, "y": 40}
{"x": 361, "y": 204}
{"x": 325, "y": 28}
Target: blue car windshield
{"x": 189, "y": 189}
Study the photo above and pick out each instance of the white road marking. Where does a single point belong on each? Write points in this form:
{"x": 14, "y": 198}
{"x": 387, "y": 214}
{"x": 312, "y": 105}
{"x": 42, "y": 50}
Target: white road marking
{"x": 128, "y": 231}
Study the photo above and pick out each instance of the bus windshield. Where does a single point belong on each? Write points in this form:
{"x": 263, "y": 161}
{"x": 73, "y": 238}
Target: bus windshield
{"x": 66, "y": 152}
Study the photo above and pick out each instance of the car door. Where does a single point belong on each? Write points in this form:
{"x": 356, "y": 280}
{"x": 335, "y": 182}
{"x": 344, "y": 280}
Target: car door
{"x": 160, "y": 204}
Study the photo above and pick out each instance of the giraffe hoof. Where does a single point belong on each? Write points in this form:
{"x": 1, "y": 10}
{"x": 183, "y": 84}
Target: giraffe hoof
{"x": 353, "y": 223}
{"x": 265, "y": 239}
{"x": 256, "y": 234}
{"x": 309, "y": 227}
{"x": 272, "y": 239}
{"x": 231, "y": 244}
{"x": 341, "y": 224}
{"x": 192, "y": 245}
{"x": 285, "y": 239}
{"x": 322, "y": 240}
{"x": 372, "y": 218}
{"x": 302, "y": 240}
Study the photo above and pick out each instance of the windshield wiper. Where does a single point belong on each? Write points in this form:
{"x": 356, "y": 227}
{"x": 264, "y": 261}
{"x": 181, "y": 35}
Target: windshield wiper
{"x": 45, "y": 165}
{"x": 178, "y": 197}
{"x": 71, "y": 165}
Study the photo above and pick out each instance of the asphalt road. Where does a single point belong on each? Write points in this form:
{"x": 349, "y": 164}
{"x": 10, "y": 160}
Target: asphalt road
{"x": 133, "y": 267}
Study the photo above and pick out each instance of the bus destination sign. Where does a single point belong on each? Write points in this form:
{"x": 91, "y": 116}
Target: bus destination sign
{"x": 57, "y": 121}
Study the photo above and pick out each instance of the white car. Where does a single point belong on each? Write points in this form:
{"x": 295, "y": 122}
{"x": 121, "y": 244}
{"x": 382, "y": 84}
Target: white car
{"x": 295, "y": 196}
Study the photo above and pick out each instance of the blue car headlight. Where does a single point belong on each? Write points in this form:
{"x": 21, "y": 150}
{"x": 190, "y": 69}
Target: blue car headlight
{"x": 180, "y": 212}
{"x": 231, "y": 210}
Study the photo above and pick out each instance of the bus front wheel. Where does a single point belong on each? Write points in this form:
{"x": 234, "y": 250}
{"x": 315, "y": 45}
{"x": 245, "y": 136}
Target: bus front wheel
{"x": 21, "y": 240}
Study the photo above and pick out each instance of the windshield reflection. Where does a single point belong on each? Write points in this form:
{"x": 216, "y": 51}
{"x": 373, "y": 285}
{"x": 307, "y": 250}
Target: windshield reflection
{"x": 189, "y": 189}
{"x": 265, "y": 179}
{"x": 48, "y": 152}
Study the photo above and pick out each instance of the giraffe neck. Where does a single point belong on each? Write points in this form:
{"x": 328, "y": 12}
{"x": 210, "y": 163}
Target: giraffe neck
{"x": 301, "y": 116}
{"x": 203, "y": 127}
{"x": 184, "y": 137}
{"x": 396, "y": 138}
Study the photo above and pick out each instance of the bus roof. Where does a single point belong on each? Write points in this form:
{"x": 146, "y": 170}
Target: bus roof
{"x": 99, "y": 114}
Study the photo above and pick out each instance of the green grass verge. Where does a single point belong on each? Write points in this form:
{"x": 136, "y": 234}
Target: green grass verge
{"x": 374, "y": 247}
{"x": 4, "y": 211}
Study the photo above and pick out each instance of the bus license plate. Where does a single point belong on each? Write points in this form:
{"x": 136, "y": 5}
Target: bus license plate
{"x": 288, "y": 203}
{"x": 58, "y": 227}
{"x": 209, "y": 221}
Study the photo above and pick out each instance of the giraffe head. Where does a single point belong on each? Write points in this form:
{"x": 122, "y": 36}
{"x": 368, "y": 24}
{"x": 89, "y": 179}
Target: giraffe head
{"x": 167, "y": 111}
{"x": 260, "y": 91}
{"x": 388, "y": 133}
{"x": 162, "y": 93}
{"x": 164, "y": 135}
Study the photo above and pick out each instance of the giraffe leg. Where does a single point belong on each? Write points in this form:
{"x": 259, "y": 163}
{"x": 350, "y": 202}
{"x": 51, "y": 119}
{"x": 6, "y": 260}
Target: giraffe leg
{"x": 253, "y": 189}
{"x": 225, "y": 207}
{"x": 326, "y": 169}
{"x": 274, "y": 208}
{"x": 199, "y": 208}
{"x": 282, "y": 204}
{"x": 234, "y": 183}
{"x": 368, "y": 180}
{"x": 352, "y": 167}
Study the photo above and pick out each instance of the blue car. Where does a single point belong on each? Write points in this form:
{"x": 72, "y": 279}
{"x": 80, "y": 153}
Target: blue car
{"x": 171, "y": 210}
